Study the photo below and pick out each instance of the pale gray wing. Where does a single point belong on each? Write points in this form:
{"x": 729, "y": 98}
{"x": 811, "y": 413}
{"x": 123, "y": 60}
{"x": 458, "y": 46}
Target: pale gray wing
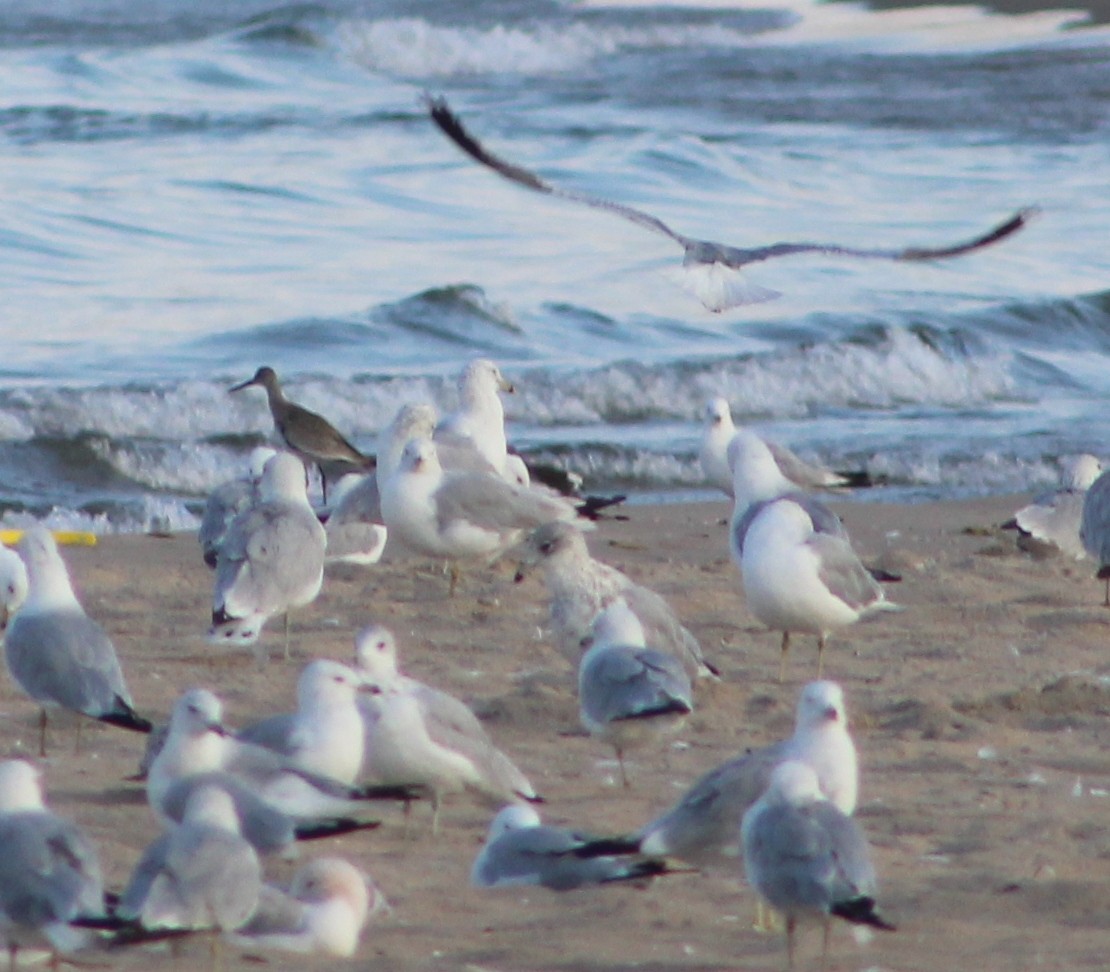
{"x": 490, "y": 502}
{"x": 623, "y": 682}
{"x": 442, "y": 710}
{"x": 49, "y": 871}
{"x": 662, "y": 629}
{"x": 457, "y": 452}
{"x": 842, "y": 572}
{"x": 1094, "y": 530}
{"x": 703, "y": 827}
{"x": 274, "y": 733}
{"x": 824, "y": 519}
{"x": 362, "y": 503}
{"x": 805, "y": 475}
{"x": 499, "y": 775}
{"x": 65, "y": 657}
{"x": 268, "y": 829}
{"x": 807, "y": 858}
{"x": 150, "y": 864}
{"x": 545, "y": 856}
{"x": 224, "y": 503}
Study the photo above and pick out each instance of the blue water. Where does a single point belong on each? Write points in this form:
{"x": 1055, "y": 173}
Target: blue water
{"x": 193, "y": 190}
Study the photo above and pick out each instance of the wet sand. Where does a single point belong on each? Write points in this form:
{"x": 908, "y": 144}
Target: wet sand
{"x": 982, "y": 715}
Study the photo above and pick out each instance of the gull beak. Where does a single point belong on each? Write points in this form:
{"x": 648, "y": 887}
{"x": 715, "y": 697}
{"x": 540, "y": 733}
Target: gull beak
{"x": 831, "y": 714}
{"x": 218, "y": 728}
{"x": 506, "y": 386}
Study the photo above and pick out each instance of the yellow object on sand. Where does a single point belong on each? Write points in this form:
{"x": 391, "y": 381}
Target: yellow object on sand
{"x": 66, "y": 538}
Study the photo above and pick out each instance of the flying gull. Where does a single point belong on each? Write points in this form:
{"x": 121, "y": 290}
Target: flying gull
{"x": 711, "y": 267}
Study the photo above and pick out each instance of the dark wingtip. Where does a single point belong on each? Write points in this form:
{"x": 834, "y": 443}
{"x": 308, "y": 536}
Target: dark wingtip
{"x": 126, "y": 718}
{"x": 861, "y": 911}
{"x": 404, "y": 793}
{"x": 591, "y": 506}
{"x": 856, "y": 478}
{"x": 333, "y": 828}
{"x": 608, "y": 847}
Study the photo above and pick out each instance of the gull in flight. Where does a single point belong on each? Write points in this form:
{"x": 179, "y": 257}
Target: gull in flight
{"x": 712, "y": 269}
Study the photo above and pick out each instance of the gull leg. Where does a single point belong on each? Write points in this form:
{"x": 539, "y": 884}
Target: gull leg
{"x": 287, "y": 656}
{"x": 766, "y": 918}
{"x": 785, "y": 649}
{"x": 1106, "y": 602}
{"x": 77, "y": 741}
{"x": 455, "y": 574}
{"x": 791, "y": 928}
{"x": 42, "y": 732}
{"x": 620, "y": 763}
{"x": 435, "y": 814}
{"x": 825, "y": 943}
{"x": 820, "y": 653}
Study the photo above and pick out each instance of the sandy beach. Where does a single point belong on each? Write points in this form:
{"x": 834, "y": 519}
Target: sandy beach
{"x": 981, "y": 712}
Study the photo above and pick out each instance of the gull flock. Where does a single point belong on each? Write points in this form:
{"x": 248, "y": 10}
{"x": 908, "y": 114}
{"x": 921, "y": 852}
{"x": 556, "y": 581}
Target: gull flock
{"x": 365, "y": 736}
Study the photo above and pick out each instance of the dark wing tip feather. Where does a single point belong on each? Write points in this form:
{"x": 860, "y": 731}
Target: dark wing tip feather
{"x": 861, "y": 911}
{"x": 1016, "y": 222}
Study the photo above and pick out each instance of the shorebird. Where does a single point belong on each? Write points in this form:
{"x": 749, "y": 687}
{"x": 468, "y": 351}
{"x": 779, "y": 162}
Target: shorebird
{"x": 808, "y": 859}
{"x": 711, "y": 267}
{"x": 310, "y": 436}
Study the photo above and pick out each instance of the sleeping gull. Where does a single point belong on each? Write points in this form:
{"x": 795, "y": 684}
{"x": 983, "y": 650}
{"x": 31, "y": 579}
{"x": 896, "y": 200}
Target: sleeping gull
{"x": 1094, "y": 530}
{"x": 324, "y": 735}
{"x": 806, "y": 858}
{"x": 310, "y": 436}
{"x": 272, "y": 559}
{"x": 413, "y": 740}
{"x": 49, "y": 873}
{"x": 324, "y": 911}
{"x": 457, "y": 515}
{"x": 711, "y": 268}
{"x": 580, "y": 587}
{"x": 521, "y": 851}
{"x": 702, "y": 828}
{"x": 227, "y": 501}
{"x": 13, "y": 584}
{"x": 796, "y": 579}
{"x": 629, "y": 694}
{"x": 200, "y": 875}
{"x": 713, "y": 455}
{"x": 56, "y": 653}
{"x": 1053, "y": 519}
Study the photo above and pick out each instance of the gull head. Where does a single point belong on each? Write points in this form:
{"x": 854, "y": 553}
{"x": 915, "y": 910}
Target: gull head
{"x": 325, "y": 683}
{"x": 517, "y": 816}
{"x": 416, "y": 421}
{"x": 13, "y": 584}
{"x": 794, "y": 783}
{"x": 755, "y": 474}
{"x": 283, "y": 478}
{"x": 211, "y": 805}
{"x": 20, "y": 787}
{"x": 328, "y": 878}
{"x": 265, "y": 377}
{"x": 1081, "y": 472}
{"x": 197, "y": 713}
{"x": 376, "y": 653}
{"x": 256, "y": 462}
{"x": 481, "y": 379}
{"x": 821, "y": 704}
{"x": 617, "y": 624}
{"x": 420, "y": 457}
{"x": 717, "y": 413}
{"x": 48, "y": 581}
{"x": 549, "y": 544}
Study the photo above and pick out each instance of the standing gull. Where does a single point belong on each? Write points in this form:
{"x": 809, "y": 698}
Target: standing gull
{"x": 413, "y": 738}
{"x": 521, "y": 851}
{"x": 56, "y": 653}
{"x": 629, "y": 694}
{"x": 324, "y": 911}
{"x": 1051, "y": 522}
{"x": 796, "y": 579}
{"x": 702, "y": 828}
{"x": 459, "y": 515}
{"x": 711, "y": 268}
{"x": 227, "y": 501}
{"x": 1094, "y": 530}
{"x": 310, "y": 436}
{"x": 580, "y": 587}
{"x": 716, "y": 463}
{"x": 49, "y": 873}
{"x": 806, "y": 858}
{"x": 479, "y": 421}
{"x": 272, "y": 559}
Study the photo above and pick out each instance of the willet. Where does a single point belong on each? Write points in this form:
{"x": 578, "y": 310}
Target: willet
{"x": 806, "y": 858}
{"x": 310, "y": 436}
{"x": 711, "y": 267}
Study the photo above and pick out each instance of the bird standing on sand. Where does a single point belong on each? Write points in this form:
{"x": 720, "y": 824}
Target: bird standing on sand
{"x": 711, "y": 268}
{"x": 271, "y": 559}
{"x": 806, "y": 858}
{"x": 797, "y": 579}
{"x": 479, "y": 421}
{"x": 310, "y": 436}
{"x": 56, "y": 653}
{"x": 1051, "y": 522}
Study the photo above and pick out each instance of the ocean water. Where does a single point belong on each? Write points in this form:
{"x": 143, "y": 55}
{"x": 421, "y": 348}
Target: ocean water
{"x": 194, "y": 190}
